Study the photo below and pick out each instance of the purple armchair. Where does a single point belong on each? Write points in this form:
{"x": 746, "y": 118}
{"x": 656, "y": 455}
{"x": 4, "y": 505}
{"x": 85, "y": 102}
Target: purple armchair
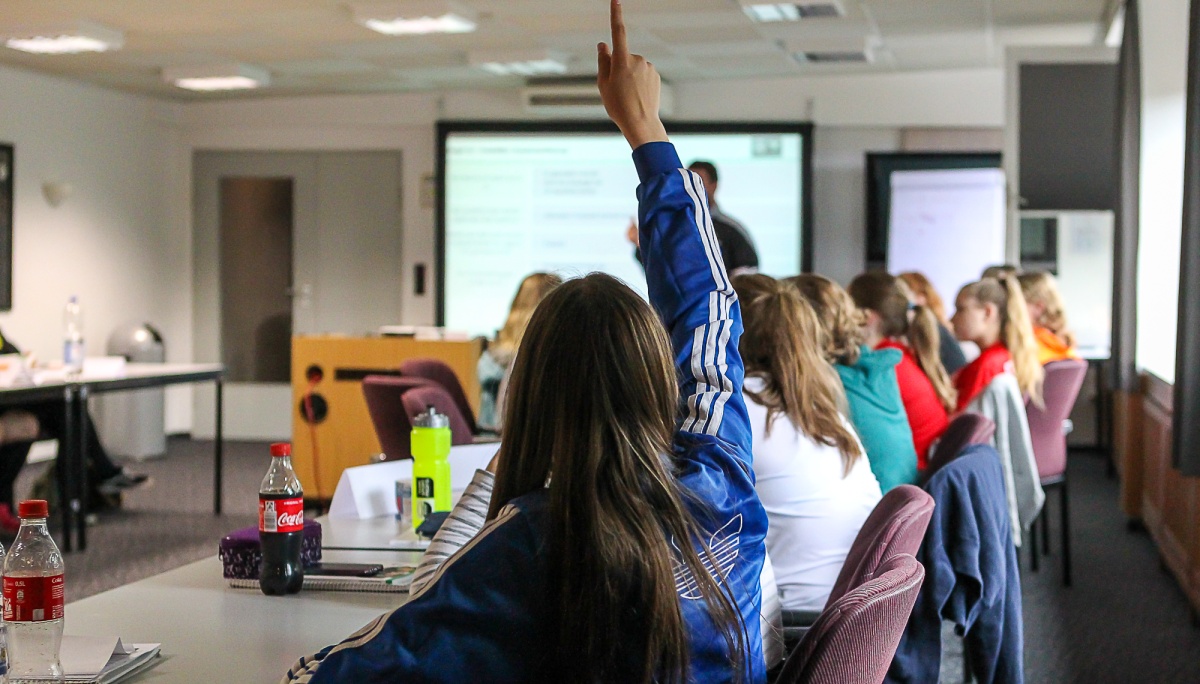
{"x": 1048, "y": 427}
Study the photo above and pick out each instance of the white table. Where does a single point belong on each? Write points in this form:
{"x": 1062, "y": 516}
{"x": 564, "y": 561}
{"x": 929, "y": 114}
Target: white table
{"x": 73, "y": 391}
{"x": 212, "y": 633}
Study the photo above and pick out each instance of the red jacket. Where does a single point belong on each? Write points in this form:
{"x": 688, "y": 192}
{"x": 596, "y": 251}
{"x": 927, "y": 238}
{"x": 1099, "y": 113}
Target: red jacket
{"x": 926, "y": 415}
{"x": 974, "y": 377}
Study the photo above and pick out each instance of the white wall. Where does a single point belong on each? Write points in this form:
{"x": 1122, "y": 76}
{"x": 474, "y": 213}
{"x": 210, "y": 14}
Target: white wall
{"x": 117, "y": 241}
{"x": 1164, "y": 41}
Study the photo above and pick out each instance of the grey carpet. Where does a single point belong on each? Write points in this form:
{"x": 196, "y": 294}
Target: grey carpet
{"x": 1125, "y": 620}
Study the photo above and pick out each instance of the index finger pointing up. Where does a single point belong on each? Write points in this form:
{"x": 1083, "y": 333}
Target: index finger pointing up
{"x": 618, "y": 28}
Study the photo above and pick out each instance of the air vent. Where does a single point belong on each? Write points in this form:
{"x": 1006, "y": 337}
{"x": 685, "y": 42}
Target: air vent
{"x": 833, "y": 57}
{"x": 793, "y": 11}
{"x": 574, "y": 96}
{"x": 820, "y": 10}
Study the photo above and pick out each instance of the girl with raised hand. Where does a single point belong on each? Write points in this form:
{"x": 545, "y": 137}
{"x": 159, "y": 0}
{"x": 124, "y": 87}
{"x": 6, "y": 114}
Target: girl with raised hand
{"x": 869, "y": 379}
{"x": 622, "y": 539}
{"x": 1055, "y": 341}
{"x": 894, "y": 322}
{"x": 808, "y": 464}
{"x": 992, "y": 314}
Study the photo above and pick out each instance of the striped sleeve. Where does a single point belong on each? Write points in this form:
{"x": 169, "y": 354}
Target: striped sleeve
{"x": 691, "y": 291}
{"x": 464, "y": 522}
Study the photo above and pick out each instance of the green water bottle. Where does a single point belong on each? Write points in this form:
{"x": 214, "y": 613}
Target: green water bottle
{"x": 431, "y": 464}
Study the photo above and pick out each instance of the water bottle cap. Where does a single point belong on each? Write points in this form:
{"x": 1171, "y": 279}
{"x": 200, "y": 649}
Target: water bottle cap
{"x": 281, "y": 449}
{"x": 430, "y": 418}
{"x": 33, "y": 508}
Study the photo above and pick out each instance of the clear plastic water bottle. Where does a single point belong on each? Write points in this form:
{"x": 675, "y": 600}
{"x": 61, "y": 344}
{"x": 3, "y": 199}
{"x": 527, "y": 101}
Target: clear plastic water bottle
{"x": 33, "y": 599}
{"x": 73, "y": 350}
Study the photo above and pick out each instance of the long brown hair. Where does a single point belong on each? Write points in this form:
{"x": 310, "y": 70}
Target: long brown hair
{"x": 783, "y": 344}
{"x": 591, "y": 410}
{"x": 886, "y": 296}
{"x": 923, "y": 287}
{"x": 1041, "y": 287}
{"x": 837, "y": 313}
{"x": 533, "y": 290}
{"x": 1016, "y": 330}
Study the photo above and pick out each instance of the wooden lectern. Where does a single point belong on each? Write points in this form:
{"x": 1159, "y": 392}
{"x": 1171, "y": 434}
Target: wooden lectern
{"x": 343, "y": 434}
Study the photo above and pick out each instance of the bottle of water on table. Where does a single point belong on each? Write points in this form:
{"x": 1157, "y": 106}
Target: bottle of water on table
{"x": 73, "y": 350}
{"x": 33, "y": 599}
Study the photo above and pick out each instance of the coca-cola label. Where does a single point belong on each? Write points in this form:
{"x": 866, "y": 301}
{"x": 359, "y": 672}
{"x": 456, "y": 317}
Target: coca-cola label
{"x": 33, "y": 599}
{"x": 281, "y": 515}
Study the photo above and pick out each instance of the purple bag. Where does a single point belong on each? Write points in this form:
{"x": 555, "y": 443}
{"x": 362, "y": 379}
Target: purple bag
{"x": 241, "y": 553}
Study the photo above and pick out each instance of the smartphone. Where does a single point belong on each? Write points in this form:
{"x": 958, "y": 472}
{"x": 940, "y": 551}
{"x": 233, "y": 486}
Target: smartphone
{"x": 344, "y": 569}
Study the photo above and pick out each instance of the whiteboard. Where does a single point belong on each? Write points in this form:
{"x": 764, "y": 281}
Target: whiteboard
{"x": 948, "y": 225}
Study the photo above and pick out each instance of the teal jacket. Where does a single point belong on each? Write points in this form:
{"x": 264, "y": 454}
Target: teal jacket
{"x": 878, "y": 414}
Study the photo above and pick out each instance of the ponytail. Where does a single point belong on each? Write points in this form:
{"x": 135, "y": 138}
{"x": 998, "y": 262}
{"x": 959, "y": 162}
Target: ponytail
{"x": 924, "y": 337}
{"x": 889, "y": 297}
{"x": 1017, "y": 332}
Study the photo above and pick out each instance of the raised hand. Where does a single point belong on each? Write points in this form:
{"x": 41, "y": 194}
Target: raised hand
{"x": 629, "y": 86}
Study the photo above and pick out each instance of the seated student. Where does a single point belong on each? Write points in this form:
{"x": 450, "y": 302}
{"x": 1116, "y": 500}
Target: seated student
{"x": 924, "y": 294}
{"x": 623, "y": 477}
{"x": 107, "y": 478}
{"x": 808, "y": 466}
{"x": 496, "y": 361}
{"x": 1055, "y": 341}
{"x": 893, "y": 323}
{"x": 1001, "y": 271}
{"x": 992, "y": 314}
{"x": 869, "y": 378}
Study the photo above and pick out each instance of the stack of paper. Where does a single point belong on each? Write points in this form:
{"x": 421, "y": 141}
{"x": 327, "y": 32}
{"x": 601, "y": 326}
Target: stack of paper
{"x": 104, "y": 660}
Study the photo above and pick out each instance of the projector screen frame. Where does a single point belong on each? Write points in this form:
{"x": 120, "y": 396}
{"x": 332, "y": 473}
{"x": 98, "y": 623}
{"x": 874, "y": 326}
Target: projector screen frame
{"x": 446, "y": 128}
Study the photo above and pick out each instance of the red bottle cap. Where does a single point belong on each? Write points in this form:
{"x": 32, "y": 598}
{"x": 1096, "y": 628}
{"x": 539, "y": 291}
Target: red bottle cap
{"x": 33, "y": 508}
{"x": 281, "y": 449}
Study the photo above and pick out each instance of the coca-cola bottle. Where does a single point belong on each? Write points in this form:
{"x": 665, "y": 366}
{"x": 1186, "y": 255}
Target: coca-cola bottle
{"x": 33, "y": 599}
{"x": 281, "y": 525}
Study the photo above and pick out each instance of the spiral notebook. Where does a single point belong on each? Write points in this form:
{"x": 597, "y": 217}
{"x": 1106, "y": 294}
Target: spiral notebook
{"x": 393, "y": 579}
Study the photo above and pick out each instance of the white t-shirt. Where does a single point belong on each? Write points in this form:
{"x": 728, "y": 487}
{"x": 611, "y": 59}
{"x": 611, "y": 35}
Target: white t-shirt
{"x": 814, "y": 512}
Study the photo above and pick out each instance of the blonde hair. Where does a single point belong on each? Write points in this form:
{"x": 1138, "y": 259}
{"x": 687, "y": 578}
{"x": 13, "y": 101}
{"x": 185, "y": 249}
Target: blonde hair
{"x": 532, "y": 291}
{"x": 837, "y": 313}
{"x": 783, "y": 344}
{"x": 1041, "y": 288}
{"x": 923, "y": 287}
{"x": 888, "y": 297}
{"x": 1016, "y": 330}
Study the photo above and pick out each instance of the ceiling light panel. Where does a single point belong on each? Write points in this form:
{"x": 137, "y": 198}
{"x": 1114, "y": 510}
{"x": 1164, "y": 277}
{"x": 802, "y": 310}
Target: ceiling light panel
{"x": 65, "y": 39}
{"x": 415, "y": 18}
{"x": 217, "y": 77}
{"x": 520, "y": 62}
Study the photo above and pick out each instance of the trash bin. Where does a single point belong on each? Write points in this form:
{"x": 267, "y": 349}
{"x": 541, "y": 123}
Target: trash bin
{"x": 132, "y": 424}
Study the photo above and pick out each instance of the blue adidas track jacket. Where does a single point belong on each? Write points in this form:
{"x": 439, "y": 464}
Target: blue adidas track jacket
{"x": 483, "y": 617}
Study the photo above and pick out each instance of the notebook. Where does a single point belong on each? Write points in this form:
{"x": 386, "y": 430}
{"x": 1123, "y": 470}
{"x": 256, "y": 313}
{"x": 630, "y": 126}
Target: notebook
{"x": 394, "y": 579}
{"x": 104, "y": 660}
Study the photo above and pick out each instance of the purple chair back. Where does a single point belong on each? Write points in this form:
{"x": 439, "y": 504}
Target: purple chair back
{"x": 419, "y": 399}
{"x": 965, "y": 430}
{"x": 385, "y": 403}
{"x": 441, "y": 373}
{"x": 856, "y": 636}
{"x": 1059, "y": 390}
{"x": 896, "y": 527}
